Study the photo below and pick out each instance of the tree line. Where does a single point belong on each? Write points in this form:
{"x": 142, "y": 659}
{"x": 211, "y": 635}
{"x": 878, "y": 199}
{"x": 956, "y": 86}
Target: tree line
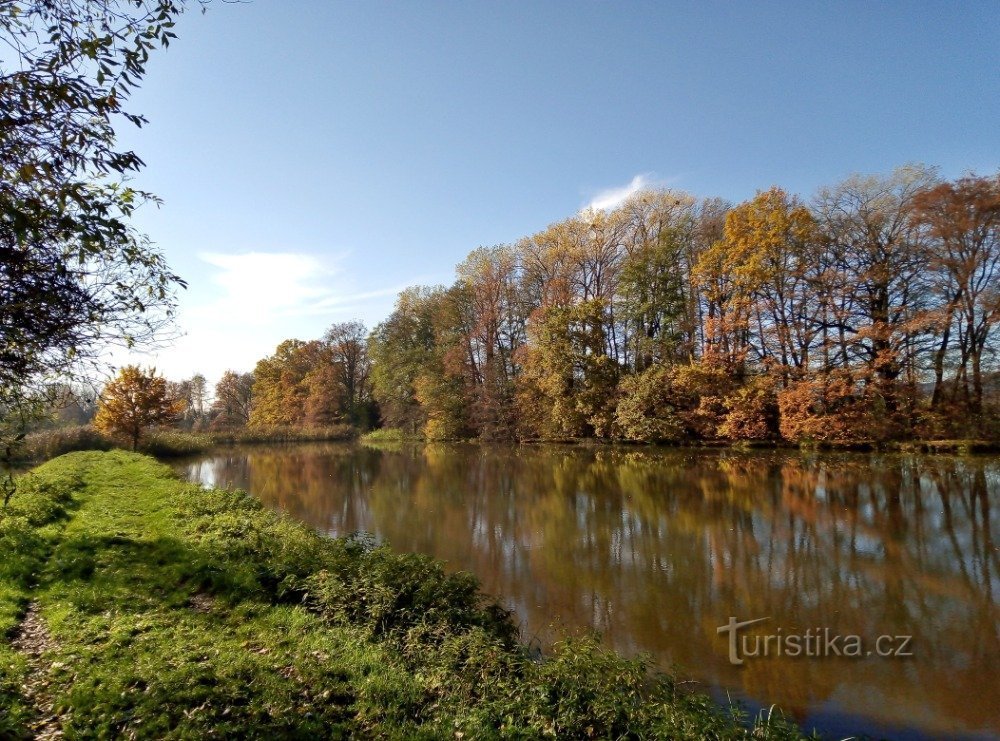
{"x": 867, "y": 313}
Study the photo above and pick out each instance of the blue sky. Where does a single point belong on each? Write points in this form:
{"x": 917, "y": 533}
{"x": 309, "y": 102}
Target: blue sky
{"x": 315, "y": 157}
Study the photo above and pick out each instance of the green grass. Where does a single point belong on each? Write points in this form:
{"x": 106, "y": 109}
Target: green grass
{"x": 30, "y": 526}
{"x": 178, "y": 612}
{"x": 388, "y": 435}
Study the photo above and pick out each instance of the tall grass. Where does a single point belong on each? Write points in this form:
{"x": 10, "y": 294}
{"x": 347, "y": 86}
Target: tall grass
{"x": 165, "y": 442}
{"x": 46, "y": 444}
{"x": 283, "y": 434}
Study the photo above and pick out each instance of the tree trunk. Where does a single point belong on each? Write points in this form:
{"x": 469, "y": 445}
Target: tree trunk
{"x": 939, "y": 367}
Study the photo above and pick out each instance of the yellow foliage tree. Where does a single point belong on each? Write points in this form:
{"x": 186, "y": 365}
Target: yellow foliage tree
{"x": 133, "y": 401}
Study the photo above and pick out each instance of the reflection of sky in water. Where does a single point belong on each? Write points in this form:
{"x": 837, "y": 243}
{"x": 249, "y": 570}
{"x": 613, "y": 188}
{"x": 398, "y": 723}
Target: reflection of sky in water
{"x": 657, "y": 548}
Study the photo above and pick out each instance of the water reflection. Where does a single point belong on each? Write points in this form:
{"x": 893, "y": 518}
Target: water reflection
{"x": 656, "y": 549}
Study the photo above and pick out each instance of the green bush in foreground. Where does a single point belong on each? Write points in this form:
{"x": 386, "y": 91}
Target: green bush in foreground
{"x": 181, "y": 612}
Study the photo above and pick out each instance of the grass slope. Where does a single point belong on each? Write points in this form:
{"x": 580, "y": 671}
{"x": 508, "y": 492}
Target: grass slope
{"x": 179, "y": 612}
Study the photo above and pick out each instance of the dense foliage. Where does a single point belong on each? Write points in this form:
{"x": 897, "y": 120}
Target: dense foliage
{"x": 133, "y": 401}
{"x": 868, "y": 314}
{"x": 74, "y": 273}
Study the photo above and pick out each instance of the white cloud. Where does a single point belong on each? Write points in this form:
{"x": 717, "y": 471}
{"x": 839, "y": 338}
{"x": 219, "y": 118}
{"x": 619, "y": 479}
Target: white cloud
{"x": 243, "y": 305}
{"x": 261, "y": 286}
{"x": 611, "y": 198}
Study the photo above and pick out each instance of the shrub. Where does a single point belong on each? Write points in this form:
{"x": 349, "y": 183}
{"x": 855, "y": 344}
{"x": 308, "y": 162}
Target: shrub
{"x": 281, "y": 434}
{"x": 835, "y": 408}
{"x": 386, "y": 435}
{"x": 752, "y": 411}
{"x": 647, "y": 409}
{"x": 390, "y": 594}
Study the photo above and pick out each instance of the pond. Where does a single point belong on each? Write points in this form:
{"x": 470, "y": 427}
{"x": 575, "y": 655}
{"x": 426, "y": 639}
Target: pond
{"x": 890, "y": 561}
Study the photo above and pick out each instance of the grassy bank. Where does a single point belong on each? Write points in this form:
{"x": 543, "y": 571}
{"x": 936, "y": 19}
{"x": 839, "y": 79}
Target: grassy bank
{"x": 389, "y": 435}
{"x": 173, "y": 611}
{"x": 165, "y": 442}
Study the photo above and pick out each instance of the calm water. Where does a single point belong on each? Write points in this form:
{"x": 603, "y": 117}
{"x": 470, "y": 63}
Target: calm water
{"x": 657, "y": 549}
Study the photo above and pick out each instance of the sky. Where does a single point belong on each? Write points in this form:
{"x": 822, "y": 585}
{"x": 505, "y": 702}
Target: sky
{"x": 316, "y": 157}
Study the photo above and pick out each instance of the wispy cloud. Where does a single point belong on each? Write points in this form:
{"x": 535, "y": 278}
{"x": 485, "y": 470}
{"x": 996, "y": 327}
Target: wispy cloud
{"x": 244, "y": 304}
{"x": 612, "y": 198}
{"x": 609, "y": 199}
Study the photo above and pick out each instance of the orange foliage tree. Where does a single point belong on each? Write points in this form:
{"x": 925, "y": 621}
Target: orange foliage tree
{"x": 133, "y": 401}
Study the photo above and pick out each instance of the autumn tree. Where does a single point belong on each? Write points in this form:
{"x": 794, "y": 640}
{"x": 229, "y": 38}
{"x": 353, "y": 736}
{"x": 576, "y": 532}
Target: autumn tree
{"x": 962, "y": 218}
{"x": 233, "y": 399}
{"x": 770, "y": 245}
{"x": 878, "y": 300}
{"x": 669, "y": 318}
{"x": 567, "y": 388}
{"x": 489, "y": 283}
{"x": 193, "y": 393}
{"x": 653, "y": 289}
{"x": 295, "y": 387}
{"x": 133, "y": 401}
{"x": 400, "y": 347}
{"x": 348, "y": 343}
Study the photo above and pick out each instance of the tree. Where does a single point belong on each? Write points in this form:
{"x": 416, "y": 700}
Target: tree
{"x": 133, "y": 401}
{"x": 769, "y": 250}
{"x": 400, "y": 347}
{"x": 194, "y": 393}
{"x": 233, "y": 399}
{"x": 878, "y": 299}
{"x": 653, "y": 296}
{"x": 74, "y": 273}
{"x": 348, "y": 343}
{"x": 963, "y": 219}
{"x": 199, "y": 394}
{"x": 568, "y": 385}
{"x": 297, "y": 386}
{"x": 491, "y": 337}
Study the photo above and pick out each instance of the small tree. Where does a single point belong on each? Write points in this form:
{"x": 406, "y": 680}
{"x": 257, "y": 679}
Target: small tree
{"x": 133, "y": 401}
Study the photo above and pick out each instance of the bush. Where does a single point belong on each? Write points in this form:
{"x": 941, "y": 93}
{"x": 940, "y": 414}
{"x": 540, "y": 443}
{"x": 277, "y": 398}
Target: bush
{"x": 390, "y": 594}
{"x": 752, "y": 411}
{"x": 647, "y": 407}
{"x": 387, "y": 435}
{"x": 836, "y": 408}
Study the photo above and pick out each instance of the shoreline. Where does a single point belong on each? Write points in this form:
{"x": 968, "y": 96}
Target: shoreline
{"x": 169, "y": 443}
{"x": 168, "y": 609}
